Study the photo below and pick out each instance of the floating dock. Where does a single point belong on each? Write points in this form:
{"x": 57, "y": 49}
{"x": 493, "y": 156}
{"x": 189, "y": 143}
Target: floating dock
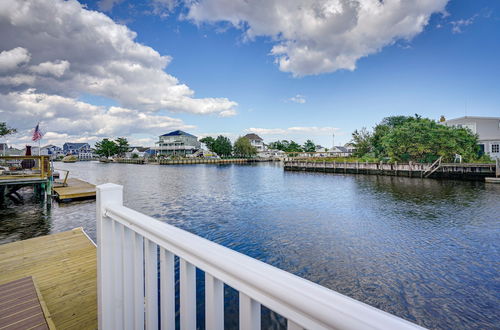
{"x": 63, "y": 266}
{"x": 74, "y": 188}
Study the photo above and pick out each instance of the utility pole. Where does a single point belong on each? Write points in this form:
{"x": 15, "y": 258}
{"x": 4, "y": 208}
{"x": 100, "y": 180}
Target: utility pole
{"x": 333, "y": 140}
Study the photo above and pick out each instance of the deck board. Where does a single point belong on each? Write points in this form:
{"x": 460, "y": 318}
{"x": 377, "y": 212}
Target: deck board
{"x": 75, "y": 188}
{"x": 63, "y": 266}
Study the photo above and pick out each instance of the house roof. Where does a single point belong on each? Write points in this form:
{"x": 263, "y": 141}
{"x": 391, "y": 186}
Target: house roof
{"x": 253, "y": 136}
{"x": 76, "y": 145}
{"x": 472, "y": 117}
{"x": 178, "y": 133}
{"x": 140, "y": 149}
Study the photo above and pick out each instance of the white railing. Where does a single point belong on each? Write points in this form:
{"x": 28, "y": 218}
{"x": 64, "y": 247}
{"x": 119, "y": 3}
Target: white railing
{"x": 132, "y": 245}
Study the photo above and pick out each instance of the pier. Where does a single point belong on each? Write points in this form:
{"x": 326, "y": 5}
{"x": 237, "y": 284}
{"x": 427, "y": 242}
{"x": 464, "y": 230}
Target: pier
{"x": 461, "y": 171}
{"x": 208, "y": 161}
{"x": 24, "y": 171}
{"x": 73, "y": 188}
{"x": 63, "y": 267}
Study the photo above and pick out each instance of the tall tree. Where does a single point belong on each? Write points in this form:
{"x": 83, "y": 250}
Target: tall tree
{"x": 362, "y": 141}
{"x": 106, "y": 148}
{"x": 243, "y": 147}
{"x": 222, "y": 146}
{"x": 122, "y": 146}
{"x": 6, "y": 130}
{"x": 209, "y": 142}
{"x": 309, "y": 146}
{"x": 293, "y": 147}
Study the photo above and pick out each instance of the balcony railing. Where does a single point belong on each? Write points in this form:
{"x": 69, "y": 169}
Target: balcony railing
{"x": 132, "y": 245}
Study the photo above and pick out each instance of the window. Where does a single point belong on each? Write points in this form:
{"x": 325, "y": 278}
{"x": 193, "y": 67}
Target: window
{"x": 495, "y": 148}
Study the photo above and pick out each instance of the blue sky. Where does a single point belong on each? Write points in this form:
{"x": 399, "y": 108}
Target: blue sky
{"x": 450, "y": 68}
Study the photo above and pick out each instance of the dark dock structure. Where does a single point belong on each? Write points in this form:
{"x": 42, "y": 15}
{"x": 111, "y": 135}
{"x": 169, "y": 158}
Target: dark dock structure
{"x": 437, "y": 170}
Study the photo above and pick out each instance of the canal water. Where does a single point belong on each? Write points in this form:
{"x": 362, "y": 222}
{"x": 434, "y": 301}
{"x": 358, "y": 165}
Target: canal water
{"x": 422, "y": 249}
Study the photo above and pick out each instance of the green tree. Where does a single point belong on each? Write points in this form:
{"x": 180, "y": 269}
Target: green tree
{"x": 243, "y": 147}
{"x": 222, "y": 146}
{"x": 424, "y": 140}
{"x": 6, "y": 130}
{"x": 362, "y": 141}
{"x": 106, "y": 148}
{"x": 209, "y": 142}
{"x": 293, "y": 147}
{"x": 122, "y": 146}
{"x": 309, "y": 146}
{"x": 279, "y": 145}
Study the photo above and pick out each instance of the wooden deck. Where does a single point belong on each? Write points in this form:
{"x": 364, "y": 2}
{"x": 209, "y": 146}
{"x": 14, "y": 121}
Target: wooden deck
{"x": 75, "y": 188}
{"x": 63, "y": 266}
{"x": 23, "y": 307}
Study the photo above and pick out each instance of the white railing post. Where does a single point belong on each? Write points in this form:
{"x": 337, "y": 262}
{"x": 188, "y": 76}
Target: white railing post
{"x": 107, "y": 194}
{"x": 214, "y": 303}
{"x": 167, "y": 289}
{"x": 249, "y": 313}
{"x": 187, "y": 295}
{"x": 151, "y": 284}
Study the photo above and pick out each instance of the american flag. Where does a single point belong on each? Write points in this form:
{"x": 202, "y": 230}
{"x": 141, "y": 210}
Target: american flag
{"x": 37, "y": 134}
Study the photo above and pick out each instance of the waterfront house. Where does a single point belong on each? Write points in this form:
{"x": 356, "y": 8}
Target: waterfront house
{"x": 256, "y": 141}
{"x": 141, "y": 152}
{"x": 340, "y": 151}
{"x": 487, "y": 129}
{"x": 82, "y": 150}
{"x": 177, "y": 143}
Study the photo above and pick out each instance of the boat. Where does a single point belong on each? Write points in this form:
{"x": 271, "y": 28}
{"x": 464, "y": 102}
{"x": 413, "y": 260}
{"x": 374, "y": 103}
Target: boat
{"x": 105, "y": 160}
{"x": 70, "y": 159}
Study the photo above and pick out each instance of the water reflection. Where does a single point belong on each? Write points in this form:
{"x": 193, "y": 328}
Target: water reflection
{"x": 425, "y": 250}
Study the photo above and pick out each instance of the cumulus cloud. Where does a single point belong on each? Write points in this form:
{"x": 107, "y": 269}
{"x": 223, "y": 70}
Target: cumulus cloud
{"x": 65, "y": 118}
{"x": 298, "y": 99}
{"x": 81, "y": 51}
{"x": 11, "y": 59}
{"x": 319, "y": 36}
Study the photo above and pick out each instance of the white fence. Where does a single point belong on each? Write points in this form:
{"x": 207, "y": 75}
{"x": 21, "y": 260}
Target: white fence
{"x": 134, "y": 250}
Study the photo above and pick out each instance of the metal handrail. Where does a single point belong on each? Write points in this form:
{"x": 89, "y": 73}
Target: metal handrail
{"x": 304, "y": 303}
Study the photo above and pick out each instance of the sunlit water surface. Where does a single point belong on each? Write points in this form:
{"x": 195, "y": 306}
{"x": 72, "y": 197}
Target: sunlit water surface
{"x": 425, "y": 250}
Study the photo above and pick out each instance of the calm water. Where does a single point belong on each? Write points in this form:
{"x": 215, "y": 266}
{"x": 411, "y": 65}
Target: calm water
{"x": 425, "y": 250}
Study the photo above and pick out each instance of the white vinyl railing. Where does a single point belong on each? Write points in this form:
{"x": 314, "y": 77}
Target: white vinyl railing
{"x": 135, "y": 250}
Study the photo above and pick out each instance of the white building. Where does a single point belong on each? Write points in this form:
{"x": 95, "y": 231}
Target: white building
{"x": 139, "y": 151}
{"x": 256, "y": 141}
{"x": 177, "y": 143}
{"x": 487, "y": 128}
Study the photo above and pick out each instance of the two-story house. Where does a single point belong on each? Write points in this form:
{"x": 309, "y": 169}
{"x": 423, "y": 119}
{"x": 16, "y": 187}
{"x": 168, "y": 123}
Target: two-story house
{"x": 177, "y": 143}
{"x": 256, "y": 141}
{"x": 487, "y": 128}
{"x": 82, "y": 150}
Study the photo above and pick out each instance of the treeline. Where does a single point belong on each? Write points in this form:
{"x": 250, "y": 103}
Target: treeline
{"x": 223, "y": 147}
{"x": 413, "y": 138}
{"x": 109, "y": 148}
{"x": 292, "y": 146}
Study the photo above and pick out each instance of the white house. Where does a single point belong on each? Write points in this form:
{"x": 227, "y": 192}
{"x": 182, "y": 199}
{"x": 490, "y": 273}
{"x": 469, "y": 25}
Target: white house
{"x": 177, "y": 143}
{"x": 487, "y": 128}
{"x": 256, "y": 141}
{"x": 139, "y": 151}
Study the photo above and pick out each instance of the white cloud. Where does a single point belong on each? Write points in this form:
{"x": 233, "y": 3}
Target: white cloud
{"x": 81, "y": 51}
{"x": 11, "y": 59}
{"x": 298, "y": 99}
{"x": 67, "y": 119}
{"x": 458, "y": 25}
{"x": 55, "y": 69}
{"x": 319, "y": 36}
